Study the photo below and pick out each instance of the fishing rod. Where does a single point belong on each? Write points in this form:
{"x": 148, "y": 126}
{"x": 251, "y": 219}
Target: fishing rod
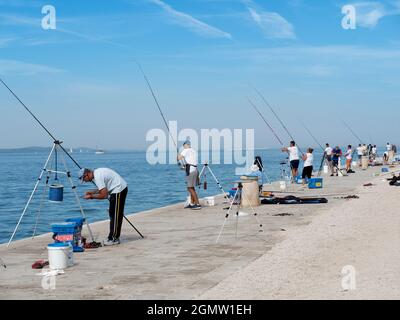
{"x": 277, "y": 117}
{"x": 312, "y": 136}
{"x": 158, "y": 106}
{"x": 322, "y": 148}
{"x": 266, "y": 122}
{"x": 56, "y": 141}
{"x": 352, "y": 131}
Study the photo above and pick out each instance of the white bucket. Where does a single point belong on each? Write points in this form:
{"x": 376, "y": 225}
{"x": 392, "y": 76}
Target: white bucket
{"x": 282, "y": 185}
{"x": 354, "y": 164}
{"x": 60, "y": 256}
{"x": 209, "y": 201}
{"x": 326, "y": 169}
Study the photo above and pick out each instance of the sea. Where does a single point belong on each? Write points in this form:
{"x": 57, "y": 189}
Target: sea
{"x": 150, "y": 186}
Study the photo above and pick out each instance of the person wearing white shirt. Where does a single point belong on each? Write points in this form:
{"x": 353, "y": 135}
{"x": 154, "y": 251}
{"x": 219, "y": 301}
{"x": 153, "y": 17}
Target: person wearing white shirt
{"x": 328, "y": 155}
{"x": 189, "y": 156}
{"x": 110, "y": 185}
{"x": 349, "y": 157}
{"x": 308, "y": 165}
{"x": 360, "y": 152}
{"x": 294, "y": 158}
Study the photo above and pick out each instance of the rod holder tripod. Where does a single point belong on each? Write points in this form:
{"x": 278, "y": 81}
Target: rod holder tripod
{"x": 56, "y": 147}
{"x": 238, "y": 199}
{"x": 203, "y": 173}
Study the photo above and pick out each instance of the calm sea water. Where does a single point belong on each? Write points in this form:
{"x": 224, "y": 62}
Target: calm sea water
{"x": 149, "y": 187}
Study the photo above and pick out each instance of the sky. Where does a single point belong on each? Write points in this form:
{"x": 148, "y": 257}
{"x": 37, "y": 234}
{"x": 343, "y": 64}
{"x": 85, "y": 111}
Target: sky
{"x": 203, "y": 59}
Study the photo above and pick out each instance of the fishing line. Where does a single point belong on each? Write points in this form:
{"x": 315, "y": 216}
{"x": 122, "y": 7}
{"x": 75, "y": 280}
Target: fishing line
{"x": 277, "y": 117}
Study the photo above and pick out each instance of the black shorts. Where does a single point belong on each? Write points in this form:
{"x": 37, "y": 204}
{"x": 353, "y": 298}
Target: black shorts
{"x": 335, "y": 162}
{"x": 307, "y": 172}
{"x": 294, "y": 164}
{"x": 329, "y": 158}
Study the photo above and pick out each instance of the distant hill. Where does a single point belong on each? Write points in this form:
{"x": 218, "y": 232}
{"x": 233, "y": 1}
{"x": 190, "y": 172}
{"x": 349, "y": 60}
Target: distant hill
{"x": 42, "y": 149}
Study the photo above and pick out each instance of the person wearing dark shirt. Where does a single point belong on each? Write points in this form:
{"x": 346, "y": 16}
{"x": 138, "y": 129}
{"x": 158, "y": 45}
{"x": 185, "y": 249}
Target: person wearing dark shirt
{"x": 336, "y": 154}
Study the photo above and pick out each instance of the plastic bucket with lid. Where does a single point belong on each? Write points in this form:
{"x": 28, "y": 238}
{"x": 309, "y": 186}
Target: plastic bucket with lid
{"x": 60, "y": 255}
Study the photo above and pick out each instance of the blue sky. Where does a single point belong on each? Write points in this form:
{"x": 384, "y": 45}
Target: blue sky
{"x": 202, "y": 56}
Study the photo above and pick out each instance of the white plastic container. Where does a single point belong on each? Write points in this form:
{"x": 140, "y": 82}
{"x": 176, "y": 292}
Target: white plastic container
{"x": 282, "y": 185}
{"x": 326, "y": 169}
{"x": 209, "y": 201}
{"x": 60, "y": 256}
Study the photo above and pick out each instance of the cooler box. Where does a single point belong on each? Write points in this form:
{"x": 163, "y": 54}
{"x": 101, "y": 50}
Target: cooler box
{"x": 315, "y": 183}
{"x": 69, "y": 232}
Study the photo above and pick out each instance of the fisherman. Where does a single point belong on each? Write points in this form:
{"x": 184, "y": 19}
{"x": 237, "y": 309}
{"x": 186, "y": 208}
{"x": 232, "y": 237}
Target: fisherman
{"x": 189, "y": 156}
{"x": 308, "y": 165}
{"x": 374, "y": 152}
{"x": 349, "y": 158}
{"x": 385, "y": 157}
{"x": 260, "y": 172}
{"x": 336, "y": 154}
{"x": 110, "y": 185}
{"x": 360, "y": 152}
{"x": 256, "y": 172}
{"x": 294, "y": 158}
{"x": 328, "y": 155}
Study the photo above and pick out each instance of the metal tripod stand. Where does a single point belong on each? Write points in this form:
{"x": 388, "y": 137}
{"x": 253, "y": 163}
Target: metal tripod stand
{"x": 56, "y": 147}
{"x": 204, "y": 174}
{"x": 237, "y": 198}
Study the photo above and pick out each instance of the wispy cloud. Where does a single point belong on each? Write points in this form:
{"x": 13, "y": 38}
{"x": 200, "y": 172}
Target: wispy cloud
{"x": 27, "y": 21}
{"x": 272, "y": 24}
{"x": 24, "y": 68}
{"x": 5, "y": 41}
{"x": 370, "y": 13}
{"x": 192, "y": 23}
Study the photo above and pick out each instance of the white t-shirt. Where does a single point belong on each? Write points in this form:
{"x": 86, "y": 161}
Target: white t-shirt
{"x": 328, "y": 151}
{"x": 360, "y": 151}
{"x": 309, "y": 160}
{"x": 374, "y": 151}
{"x": 349, "y": 154}
{"x": 190, "y": 158}
{"x": 389, "y": 147}
{"x": 293, "y": 153}
{"x": 109, "y": 179}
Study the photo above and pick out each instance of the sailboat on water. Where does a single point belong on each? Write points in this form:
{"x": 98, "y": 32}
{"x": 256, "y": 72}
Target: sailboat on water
{"x": 99, "y": 151}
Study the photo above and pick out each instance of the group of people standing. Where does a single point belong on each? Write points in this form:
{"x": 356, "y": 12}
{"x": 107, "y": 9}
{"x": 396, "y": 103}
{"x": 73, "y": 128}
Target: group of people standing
{"x": 332, "y": 158}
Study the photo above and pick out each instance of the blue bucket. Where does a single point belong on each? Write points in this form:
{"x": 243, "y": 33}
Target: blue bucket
{"x": 56, "y": 193}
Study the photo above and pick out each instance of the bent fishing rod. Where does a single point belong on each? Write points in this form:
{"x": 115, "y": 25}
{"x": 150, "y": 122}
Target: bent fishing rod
{"x": 277, "y": 117}
{"x": 158, "y": 106}
{"x": 56, "y": 141}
